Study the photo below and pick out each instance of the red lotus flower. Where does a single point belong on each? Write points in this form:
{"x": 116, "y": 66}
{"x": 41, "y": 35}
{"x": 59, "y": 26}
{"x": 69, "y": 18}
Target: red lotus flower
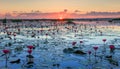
{"x": 38, "y": 31}
{"x": 18, "y": 29}
{"x": 9, "y": 33}
{"x": 89, "y": 52}
{"x": 41, "y": 30}
{"x": 14, "y": 34}
{"x": 30, "y": 47}
{"x": 6, "y": 51}
{"x": 95, "y": 48}
{"x": 81, "y": 41}
{"x": 104, "y": 40}
{"x": 29, "y": 51}
{"x": 6, "y": 27}
{"x": 73, "y": 43}
{"x": 46, "y": 34}
{"x": 49, "y": 29}
{"x": 53, "y": 33}
{"x": 112, "y": 47}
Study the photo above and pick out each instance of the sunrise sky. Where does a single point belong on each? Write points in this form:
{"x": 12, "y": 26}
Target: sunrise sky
{"x": 59, "y": 8}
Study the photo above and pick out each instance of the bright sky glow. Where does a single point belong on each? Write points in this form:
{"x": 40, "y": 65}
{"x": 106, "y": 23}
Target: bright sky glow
{"x": 72, "y": 7}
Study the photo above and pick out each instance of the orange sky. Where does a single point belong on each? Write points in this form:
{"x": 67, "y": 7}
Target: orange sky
{"x": 71, "y": 8}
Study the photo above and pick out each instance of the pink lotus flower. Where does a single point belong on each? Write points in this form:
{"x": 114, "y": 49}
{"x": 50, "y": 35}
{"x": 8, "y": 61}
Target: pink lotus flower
{"x": 112, "y": 47}
{"x": 30, "y": 47}
{"x": 73, "y": 43}
{"x": 104, "y": 40}
{"x": 30, "y": 51}
{"x": 95, "y": 48}
{"x": 6, "y": 51}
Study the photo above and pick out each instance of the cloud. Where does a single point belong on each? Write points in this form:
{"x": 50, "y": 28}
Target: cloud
{"x": 77, "y": 11}
{"x": 94, "y": 14}
{"x": 14, "y": 11}
{"x": 102, "y": 13}
{"x": 65, "y": 10}
{"x": 36, "y": 14}
{"x": 8, "y": 15}
{"x": 65, "y": 14}
{"x": 1, "y": 15}
{"x": 36, "y": 11}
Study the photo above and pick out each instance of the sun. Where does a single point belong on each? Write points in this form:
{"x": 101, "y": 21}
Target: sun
{"x": 61, "y": 18}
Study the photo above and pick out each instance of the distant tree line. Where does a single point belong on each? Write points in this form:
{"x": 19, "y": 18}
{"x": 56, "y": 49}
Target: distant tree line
{"x": 4, "y": 20}
{"x": 12, "y": 20}
{"x": 16, "y": 20}
{"x": 114, "y": 19}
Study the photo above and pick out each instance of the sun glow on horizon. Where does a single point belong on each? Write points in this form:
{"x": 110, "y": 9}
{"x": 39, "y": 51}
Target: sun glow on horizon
{"x": 59, "y": 9}
{"x": 61, "y": 18}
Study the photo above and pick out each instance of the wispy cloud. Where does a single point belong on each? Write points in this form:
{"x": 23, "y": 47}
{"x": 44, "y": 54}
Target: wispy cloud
{"x": 103, "y": 13}
{"x": 77, "y": 11}
{"x": 65, "y": 14}
{"x": 65, "y": 10}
